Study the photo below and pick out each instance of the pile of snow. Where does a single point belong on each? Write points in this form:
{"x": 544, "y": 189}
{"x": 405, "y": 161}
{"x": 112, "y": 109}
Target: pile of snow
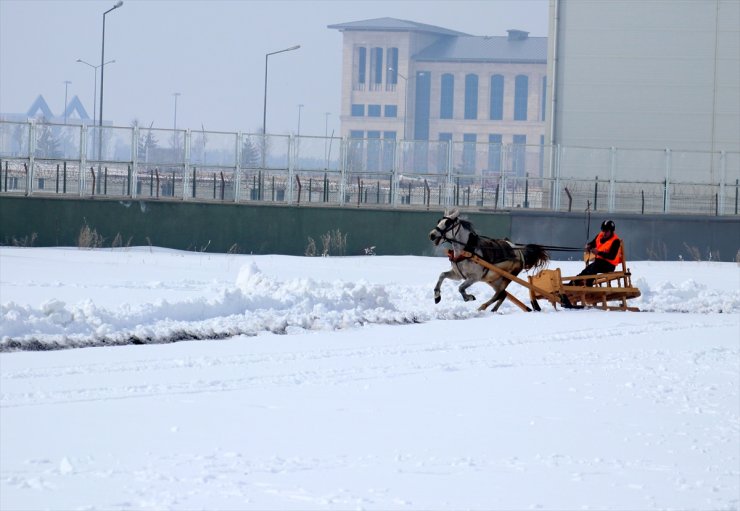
{"x": 256, "y": 301}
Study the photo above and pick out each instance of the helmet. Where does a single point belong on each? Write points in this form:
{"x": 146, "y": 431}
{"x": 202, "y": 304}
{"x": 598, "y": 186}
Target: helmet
{"x": 607, "y": 225}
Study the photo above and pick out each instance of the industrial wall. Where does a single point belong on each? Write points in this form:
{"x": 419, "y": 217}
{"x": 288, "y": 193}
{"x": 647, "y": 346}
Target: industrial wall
{"x": 649, "y": 74}
{"x": 266, "y": 229}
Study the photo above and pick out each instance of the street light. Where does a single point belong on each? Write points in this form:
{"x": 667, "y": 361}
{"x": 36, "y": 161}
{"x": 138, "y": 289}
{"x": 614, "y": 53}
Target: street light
{"x": 264, "y": 106}
{"x": 95, "y": 85}
{"x": 176, "y": 95}
{"x": 405, "y": 99}
{"x": 118, "y": 4}
{"x": 299, "y": 120}
{"x": 66, "y": 84}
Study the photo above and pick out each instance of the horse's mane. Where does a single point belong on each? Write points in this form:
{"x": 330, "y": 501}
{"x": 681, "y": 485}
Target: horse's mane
{"x": 467, "y": 225}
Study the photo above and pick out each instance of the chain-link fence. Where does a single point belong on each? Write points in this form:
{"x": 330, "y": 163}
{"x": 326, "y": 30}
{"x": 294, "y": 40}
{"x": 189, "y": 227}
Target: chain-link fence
{"x": 39, "y": 159}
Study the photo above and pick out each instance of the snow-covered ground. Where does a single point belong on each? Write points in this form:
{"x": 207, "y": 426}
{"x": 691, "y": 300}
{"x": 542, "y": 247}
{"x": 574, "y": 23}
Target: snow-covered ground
{"x": 337, "y": 383}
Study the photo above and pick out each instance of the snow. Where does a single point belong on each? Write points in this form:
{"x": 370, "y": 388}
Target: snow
{"x": 337, "y": 383}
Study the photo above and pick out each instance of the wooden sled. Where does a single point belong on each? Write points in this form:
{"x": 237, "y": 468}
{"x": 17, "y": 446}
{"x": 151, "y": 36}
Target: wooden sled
{"x": 610, "y": 291}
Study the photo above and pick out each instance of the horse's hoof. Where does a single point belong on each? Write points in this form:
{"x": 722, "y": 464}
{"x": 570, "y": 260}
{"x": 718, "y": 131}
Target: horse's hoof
{"x": 437, "y": 299}
{"x": 482, "y": 308}
{"x": 469, "y": 298}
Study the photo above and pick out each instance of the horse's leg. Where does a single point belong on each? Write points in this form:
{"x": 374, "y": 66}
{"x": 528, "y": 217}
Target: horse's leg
{"x": 501, "y": 294}
{"x": 465, "y": 285}
{"x": 449, "y": 274}
{"x": 498, "y": 294}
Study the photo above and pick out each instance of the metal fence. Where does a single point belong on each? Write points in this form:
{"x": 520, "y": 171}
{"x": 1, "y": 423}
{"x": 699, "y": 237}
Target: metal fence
{"x": 131, "y": 162}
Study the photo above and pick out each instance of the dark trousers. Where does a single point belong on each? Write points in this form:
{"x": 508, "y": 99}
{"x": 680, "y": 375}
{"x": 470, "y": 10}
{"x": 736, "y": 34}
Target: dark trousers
{"x": 598, "y": 266}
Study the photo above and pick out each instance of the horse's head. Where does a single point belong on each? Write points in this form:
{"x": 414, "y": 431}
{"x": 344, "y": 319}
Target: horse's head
{"x": 450, "y": 228}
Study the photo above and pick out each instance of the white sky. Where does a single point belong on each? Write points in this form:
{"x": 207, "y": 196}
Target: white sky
{"x": 213, "y": 53}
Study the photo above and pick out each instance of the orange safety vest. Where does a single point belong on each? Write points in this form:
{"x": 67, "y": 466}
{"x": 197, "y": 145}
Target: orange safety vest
{"x": 605, "y": 246}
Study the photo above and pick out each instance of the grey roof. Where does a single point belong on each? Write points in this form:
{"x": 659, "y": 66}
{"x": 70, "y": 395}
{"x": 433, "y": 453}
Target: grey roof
{"x": 394, "y": 25}
{"x": 486, "y": 49}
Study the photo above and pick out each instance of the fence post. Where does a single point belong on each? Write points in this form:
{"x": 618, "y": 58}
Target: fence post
{"x": 237, "y": 168}
{"x": 722, "y": 178}
{"x": 82, "y": 179}
{"x": 343, "y": 158}
{"x": 612, "y": 186}
{"x": 293, "y": 158}
{"x": 185, "y": 166}
{"x": 134, "y": 161}
{"x": 556, "y": 170}
{"x": 596, "y": 193}
{"x": 667, "y": 196}
{"x": 31, "y": 156}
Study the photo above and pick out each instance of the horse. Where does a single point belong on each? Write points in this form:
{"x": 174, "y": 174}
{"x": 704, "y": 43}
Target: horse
{"x": 502, "y": 253}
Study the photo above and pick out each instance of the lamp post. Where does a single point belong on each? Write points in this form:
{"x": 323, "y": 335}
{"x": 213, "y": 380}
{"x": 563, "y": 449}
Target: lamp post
{"x": 95, "y": 85}
{"x": 299, "y": 120}
{"x": 118, "y": 4}
{"x": 264, "y": 106}
{"x": 66, "y": 84}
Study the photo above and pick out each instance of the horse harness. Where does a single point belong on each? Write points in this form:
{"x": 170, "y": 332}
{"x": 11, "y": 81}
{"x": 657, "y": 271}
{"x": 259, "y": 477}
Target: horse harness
{"x": 489, "y": 248}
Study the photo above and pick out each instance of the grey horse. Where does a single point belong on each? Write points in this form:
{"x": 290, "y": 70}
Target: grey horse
{"x": 502, "y": 253}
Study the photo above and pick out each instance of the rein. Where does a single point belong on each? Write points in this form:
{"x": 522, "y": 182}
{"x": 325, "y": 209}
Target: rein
{"x": 474, "y": 238}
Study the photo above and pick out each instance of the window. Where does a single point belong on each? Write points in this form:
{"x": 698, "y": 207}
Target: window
{"x": 497, "y": 98}
{"x": 468, "y": 156}
{"x": 373, "y": 150}
{"x": 373, "y": 110}
{"x": 447, "y": 96}
{"x": 471, "y": 96}
{"x": 519, "y": 153}
{"x": 392, "y": 58}
{"x": 443, "y": 151}
{"x": 521, "y": 90}
{"x": 376, "y": 65}
{"x": 543, "y": 107}
{"x": 358, "y": 111}
{"x": 421, "y": 105}
{"x": 494, "y": 153}
{"x": 354, "y": 156}
{"x": 390, "y": 111}
{"x": 361, "y": 64}
{"x": 389, "y": 149}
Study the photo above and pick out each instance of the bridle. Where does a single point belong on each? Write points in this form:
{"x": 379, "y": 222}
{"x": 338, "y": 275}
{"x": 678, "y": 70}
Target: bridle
{"x": 450, "y": 224}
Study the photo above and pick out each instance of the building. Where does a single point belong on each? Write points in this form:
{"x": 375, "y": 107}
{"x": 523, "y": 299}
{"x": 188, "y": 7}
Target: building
{"x": 650, "y": 76}
{"x": 74, "y": 113}
{"x": 407, "y": 81}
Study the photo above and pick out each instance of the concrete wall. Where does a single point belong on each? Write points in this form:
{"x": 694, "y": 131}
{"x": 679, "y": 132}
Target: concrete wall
{"x": 646, "y": 237}
{"x": 259, "y": 229}
{"x": 268, "y": 229}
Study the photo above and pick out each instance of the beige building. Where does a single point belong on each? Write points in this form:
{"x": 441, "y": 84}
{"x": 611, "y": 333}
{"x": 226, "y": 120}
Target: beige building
{"x": 404, "y": 80}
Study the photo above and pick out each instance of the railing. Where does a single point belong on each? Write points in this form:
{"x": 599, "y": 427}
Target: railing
{"x": 42, "y": 159}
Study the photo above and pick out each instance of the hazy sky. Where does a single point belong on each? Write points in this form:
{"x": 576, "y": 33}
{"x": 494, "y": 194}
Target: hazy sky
{"x": 213, "y": 54}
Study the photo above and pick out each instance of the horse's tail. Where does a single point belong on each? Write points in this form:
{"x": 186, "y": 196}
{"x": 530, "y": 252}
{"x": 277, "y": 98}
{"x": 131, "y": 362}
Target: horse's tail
{"x": 535, "y": 256}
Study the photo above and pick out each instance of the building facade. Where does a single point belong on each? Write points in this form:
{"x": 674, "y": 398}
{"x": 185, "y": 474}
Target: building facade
{"x": 663, "y": 77}
{"x": 436, "y": 88}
